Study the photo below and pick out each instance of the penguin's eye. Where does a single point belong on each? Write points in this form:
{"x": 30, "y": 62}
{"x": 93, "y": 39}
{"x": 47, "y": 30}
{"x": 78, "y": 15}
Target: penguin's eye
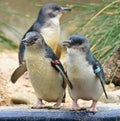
{"x": 35, "y": 39}
{"x": 57, "y": 8}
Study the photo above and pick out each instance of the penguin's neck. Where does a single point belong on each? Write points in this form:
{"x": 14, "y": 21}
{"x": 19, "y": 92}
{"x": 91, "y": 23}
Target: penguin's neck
{"x": 77, "y": 57}
{"x": 33, "y": 53}
{"x": 51, "y": 31}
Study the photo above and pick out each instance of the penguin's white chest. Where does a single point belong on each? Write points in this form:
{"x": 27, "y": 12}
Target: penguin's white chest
{"x": 51, "y": 33}
{"x": 85, "y": 83}
{"x": 46, "y": 81}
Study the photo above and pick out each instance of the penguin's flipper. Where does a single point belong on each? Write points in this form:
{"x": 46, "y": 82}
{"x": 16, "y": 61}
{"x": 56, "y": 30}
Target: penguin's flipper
{"x": 57, "y": 65}
{"x": 18, "y": 72}
{"x": 97, "y": 69}
{"x": 100, "y": 74}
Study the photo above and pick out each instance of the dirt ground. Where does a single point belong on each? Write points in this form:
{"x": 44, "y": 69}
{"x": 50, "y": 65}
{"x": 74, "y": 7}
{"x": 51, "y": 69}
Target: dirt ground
{"x": 22, "y": 92}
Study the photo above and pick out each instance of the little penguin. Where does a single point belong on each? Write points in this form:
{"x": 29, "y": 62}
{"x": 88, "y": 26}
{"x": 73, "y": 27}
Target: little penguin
{"x": 84, "y": 71}
{"x": 46, "y": 72}
{"x": 48, "y": 25}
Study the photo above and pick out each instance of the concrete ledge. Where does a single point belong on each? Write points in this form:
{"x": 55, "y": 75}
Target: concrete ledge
{"x": 27, "y": 114}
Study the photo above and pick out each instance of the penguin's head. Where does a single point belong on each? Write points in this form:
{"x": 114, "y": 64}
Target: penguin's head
{"x": 77, "y": 42}
{"x": 52, "y": 10}
{"x": 33, "y": 39}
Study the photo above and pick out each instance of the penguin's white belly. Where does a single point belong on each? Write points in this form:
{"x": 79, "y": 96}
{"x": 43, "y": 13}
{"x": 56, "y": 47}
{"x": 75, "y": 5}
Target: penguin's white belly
{"x": 46, "y": 81}
{"x": 85, "y": 84}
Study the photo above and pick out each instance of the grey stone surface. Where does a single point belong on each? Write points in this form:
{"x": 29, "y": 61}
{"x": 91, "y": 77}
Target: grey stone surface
{"x": 106, "y": 112}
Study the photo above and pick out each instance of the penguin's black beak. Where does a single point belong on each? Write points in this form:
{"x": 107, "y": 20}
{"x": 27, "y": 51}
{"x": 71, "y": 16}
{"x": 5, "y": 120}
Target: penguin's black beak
{"x": 65, "y": 9}
{"x": 25, "y": 40}
{"x": 67, "y": 43}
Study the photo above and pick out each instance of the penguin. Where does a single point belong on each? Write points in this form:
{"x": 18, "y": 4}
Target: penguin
{"x": 84, "y": 72}
{"x": 46, "y": 72}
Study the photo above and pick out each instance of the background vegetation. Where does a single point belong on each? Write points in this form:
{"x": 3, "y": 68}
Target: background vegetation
{"x": 100, "y": 22}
